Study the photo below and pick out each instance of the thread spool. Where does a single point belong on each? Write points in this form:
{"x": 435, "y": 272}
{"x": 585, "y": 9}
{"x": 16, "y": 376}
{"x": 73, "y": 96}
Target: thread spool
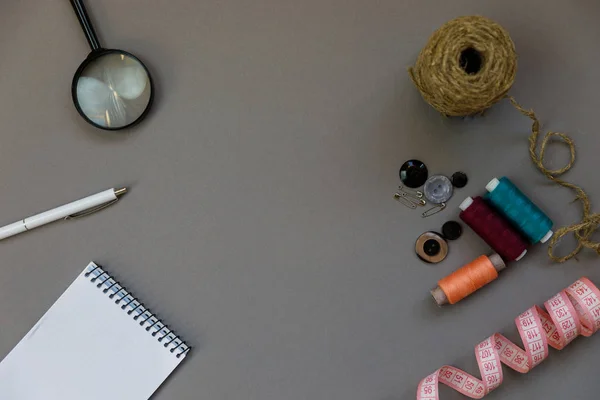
{"x": 519, "y": 209}
{"x": 468, "y": 279}
{"x": 493, "y": 229}
{"x": 467, "y": 66}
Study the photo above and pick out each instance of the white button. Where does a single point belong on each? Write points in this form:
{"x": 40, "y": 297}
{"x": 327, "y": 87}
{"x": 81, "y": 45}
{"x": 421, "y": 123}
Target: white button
{"x": 438, "y": 189}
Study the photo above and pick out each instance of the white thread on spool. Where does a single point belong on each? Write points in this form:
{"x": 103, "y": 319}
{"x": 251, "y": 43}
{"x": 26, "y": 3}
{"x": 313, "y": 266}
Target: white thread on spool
{"x": 466, "y": 203}
{"x": 522, "y": 255}
{"x": 493, "y": 184}
{"x": 547, "y": 237}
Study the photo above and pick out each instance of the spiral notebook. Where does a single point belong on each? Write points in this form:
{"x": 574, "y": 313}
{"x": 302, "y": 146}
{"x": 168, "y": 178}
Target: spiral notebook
{"x": 96, "y": 342}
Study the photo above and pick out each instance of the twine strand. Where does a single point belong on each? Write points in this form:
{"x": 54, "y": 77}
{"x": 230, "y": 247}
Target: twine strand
{"x": 590, "y": 221}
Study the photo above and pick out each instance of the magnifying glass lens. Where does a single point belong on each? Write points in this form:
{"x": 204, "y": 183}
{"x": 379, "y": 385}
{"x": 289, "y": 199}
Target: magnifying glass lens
{"x": 112, "y": 90}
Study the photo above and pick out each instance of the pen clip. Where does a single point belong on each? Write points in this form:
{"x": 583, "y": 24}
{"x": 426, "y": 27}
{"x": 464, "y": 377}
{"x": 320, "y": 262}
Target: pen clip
{"x": 92, "y": 210}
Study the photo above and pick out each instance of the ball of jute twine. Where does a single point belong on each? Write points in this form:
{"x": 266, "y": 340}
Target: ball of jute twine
{"x": 441, "y": 74}
{"x": 467, "y": 66}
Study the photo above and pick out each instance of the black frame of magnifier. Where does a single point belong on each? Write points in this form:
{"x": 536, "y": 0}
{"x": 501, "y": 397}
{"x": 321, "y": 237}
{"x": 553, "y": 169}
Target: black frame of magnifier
{"x": 97, "y": 52}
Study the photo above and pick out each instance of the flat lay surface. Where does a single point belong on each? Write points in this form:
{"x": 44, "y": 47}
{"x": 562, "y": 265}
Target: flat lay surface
{"x": 260, "y": 221}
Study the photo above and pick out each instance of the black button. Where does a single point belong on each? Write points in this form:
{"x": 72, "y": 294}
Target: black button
{"x": 413, "y": 173}
{"x": 459, "y": 179}
{"x": 452, "y": 230}
{"x": 431, "y": 247}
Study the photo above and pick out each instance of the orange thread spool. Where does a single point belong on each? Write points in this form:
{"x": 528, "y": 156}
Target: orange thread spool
{"x": 468, "y": 279}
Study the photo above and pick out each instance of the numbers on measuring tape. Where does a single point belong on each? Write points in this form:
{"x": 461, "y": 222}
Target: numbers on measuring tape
{"x": 527, "y": 322}
{"x": 572, "y": 312}
{"x": 561, "y": 312}
{"x": 532, "y": 334}
{"x": 469, "y": 385}
{"x": 590, "y": 301}
{"x": 538, "y": 358}
{"x": 519, "y": 359}
{"x": 536, "y": 346}
{"x": 566, "y": 325}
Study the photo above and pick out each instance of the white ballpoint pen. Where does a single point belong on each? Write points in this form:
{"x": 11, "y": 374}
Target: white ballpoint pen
{"x": 75, "y": 209}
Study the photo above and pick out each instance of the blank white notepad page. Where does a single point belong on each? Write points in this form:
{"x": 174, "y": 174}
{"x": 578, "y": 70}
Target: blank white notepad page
{"x": 86, "y": 347}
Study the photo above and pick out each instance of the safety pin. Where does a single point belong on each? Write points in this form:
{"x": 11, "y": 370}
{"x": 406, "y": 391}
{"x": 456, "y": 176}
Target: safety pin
{"x": 419, "y": 202}
{"x": 404, "y": 200}
{"x": 411, "y": 192}
{"x": 414, "y": 196}
{"x": 437, "y": 208}
{"x": 408, "y": 200}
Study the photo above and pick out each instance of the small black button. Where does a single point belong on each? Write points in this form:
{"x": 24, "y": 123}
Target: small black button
{"x": 413, "y": 173}
{"x": 451, "y": 230}
{"x": 459, "y": 179}
{"x": 431, "y": 247}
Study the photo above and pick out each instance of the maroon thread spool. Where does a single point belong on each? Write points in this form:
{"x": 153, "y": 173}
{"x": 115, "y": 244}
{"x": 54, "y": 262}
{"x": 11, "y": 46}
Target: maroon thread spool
{"x": 493, "y": 229}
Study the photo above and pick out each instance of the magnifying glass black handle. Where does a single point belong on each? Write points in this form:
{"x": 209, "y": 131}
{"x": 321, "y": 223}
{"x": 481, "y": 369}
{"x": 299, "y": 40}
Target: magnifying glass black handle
{"x": 86, "y": 24}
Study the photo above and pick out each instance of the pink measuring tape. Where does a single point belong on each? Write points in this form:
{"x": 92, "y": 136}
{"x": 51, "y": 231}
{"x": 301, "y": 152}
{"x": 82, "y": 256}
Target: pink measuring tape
{"x": 572, "y": 312}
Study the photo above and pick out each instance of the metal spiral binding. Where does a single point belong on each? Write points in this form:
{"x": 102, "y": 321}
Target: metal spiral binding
{"x": 134, "y": 307}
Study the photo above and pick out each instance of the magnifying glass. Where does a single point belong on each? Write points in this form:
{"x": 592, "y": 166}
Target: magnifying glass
{"x": 112, "y": 89}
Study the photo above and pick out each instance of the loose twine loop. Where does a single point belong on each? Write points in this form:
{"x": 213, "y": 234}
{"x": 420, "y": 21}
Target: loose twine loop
{"x": 467, "y": 66}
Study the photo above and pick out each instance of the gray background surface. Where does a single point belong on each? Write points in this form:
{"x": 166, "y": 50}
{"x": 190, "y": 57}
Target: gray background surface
{"x": 260, "y": 222}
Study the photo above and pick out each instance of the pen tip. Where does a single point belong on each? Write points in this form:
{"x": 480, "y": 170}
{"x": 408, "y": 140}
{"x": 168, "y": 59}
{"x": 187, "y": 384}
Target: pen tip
{"x": 120, "y": 192}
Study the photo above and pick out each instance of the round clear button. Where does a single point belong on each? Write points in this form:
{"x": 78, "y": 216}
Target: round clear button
{"x": 438, "y": 189}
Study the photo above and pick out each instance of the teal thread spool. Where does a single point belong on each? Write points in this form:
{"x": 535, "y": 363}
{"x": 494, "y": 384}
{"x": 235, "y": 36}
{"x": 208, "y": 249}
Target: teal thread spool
{"x": 519, "y": 210}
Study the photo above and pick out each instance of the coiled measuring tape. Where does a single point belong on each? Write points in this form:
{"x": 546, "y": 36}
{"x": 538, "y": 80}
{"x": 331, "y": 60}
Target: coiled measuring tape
{"x": 572, "y": 312}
